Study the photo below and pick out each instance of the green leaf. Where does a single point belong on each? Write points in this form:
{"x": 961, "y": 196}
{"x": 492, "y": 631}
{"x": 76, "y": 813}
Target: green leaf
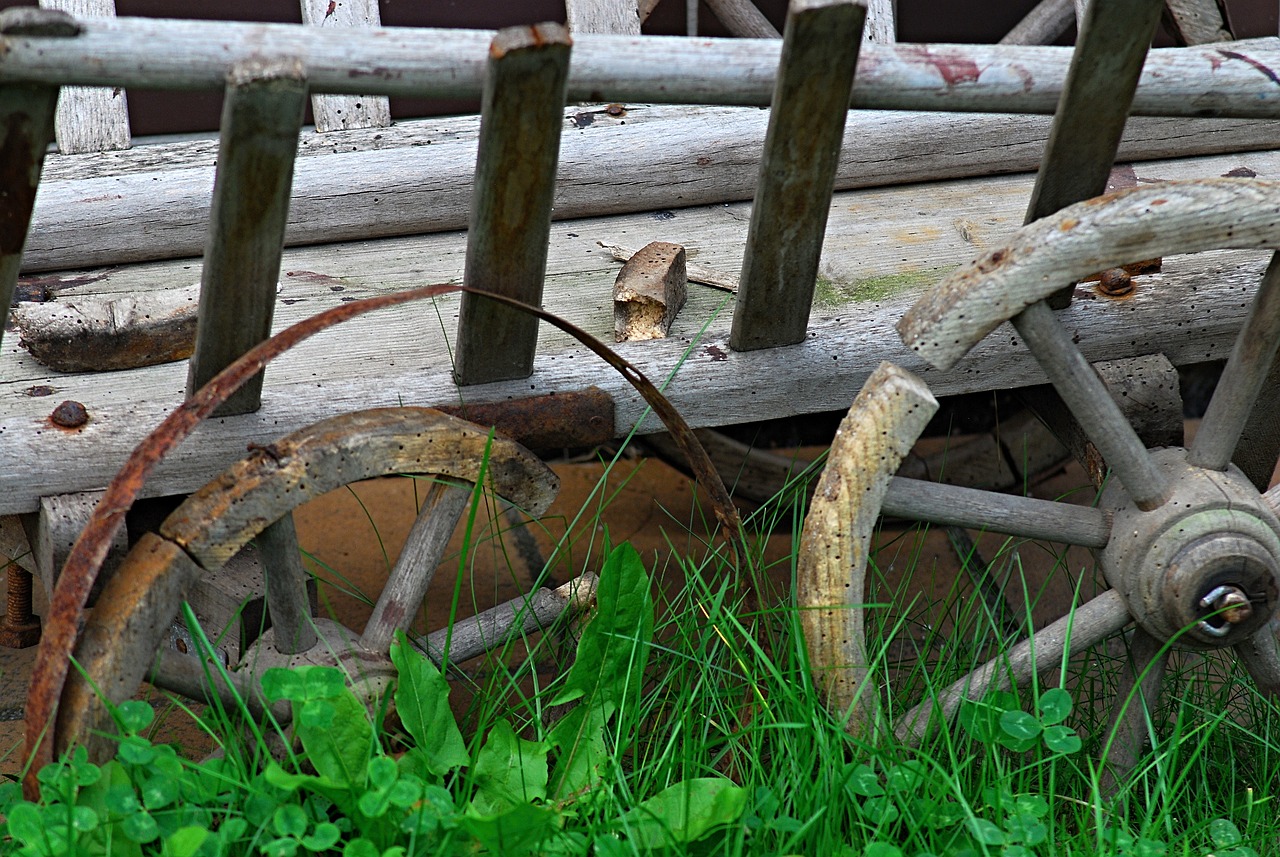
{"x": 1020, "y": 726}
{"x": 322, "y": 838}
{"x": 1054, "y": 706}
{"x": 508, "y": 771}
{"x": 25, "y": 823}
{"x": 422, "y": 701}
{"x": 685, "y": 812}
{"x": 1062, "y": 739}
{"x": 986, "y": 832}
{"x": 382, "y": 772}
{"x": 134, "y": 750}
{"x": 290, "y": 820}
{"x": 610, "y": 663}
{"x": 863, "y": 781}
{"x": 140, "y": 827}
{"x": 1026, "y": 828}
{"x": 360, "y": 847}
{"x": 881, "y": 849}
{"x": 134, "y": 715}
{"x": 1224, "y": 833}
{"x": 879, "y": 810}
{"x": 341, "y": 751}
{"x": 520, "y": 830}
{"x": 1156, "y": 848}
{"x": 280, "y": 683}
{"x": 185, "y": 841}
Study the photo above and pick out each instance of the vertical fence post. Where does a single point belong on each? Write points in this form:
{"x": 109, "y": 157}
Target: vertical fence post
{"x": 259, "y": 140}
{"x": 797, "y": 173}
{"x": 342, "y": 112}
{"x": 521, "y": 114}
{"x": 90, "y": 118}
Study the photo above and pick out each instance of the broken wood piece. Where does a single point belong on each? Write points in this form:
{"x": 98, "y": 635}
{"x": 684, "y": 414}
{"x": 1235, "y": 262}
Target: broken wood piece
{"x": 651, "y": 288}
{"x": 695, "y": 272}
{"x": 97, "y": 334}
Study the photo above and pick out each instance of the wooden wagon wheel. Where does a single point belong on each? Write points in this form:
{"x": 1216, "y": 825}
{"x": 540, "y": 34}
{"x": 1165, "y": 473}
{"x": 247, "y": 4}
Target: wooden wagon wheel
{"x": 1189, "y": 544}
{"x": 120, "y": 640}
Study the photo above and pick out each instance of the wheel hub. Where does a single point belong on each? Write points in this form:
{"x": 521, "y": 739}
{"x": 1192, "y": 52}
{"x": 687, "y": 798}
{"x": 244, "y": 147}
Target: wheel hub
{"x": 1204, "y": 568}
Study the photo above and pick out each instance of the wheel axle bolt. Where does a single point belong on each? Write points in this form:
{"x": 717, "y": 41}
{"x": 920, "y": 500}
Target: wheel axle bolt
{"x": 1228, "y": 603}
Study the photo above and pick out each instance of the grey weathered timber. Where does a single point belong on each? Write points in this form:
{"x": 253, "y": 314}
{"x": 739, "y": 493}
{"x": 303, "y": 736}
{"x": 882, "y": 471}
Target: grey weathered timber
{"x": 1087, "y": 126}
{"x": 1197, "y": 22}
{"x": 26, "y": 115}
{"x": 54, "y": 529}
{"x": 288, "y": 600}
{"x": 511, "y": 202}
{"x": 342, "y": 112}
{"x": 190, "y": 676}
{"x": 1088, "y": 400}
{"x": 881, "y": 27}
{"x": 621, "y": 17}
{"x": 260, "y": 120}
{"x": 889, "y": 413}
{"x": 509, "y": 622}
{"x": 1141, "y": 223}
{"x": 101, "y": 210}
{"x": 1077, "y": 630}
{"x": 1222, "y": 80}
{"x": 1259, "y": 446}
{"x": 90, "y": 118}
{"x": 1027, "y": 517}
{"x": 743, "y": 19}
{"x": 394, "y": 356}
{"x": 1242, "y": 380}
{"x": 423, "y": 549}
{"x": 1047, "y": 20}
{"x": 797, "y": 173}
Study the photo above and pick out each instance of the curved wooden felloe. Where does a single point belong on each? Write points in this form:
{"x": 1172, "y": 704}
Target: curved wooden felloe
{"x": 888, "y": 415}
{"x": 137, "y": 605}
{"x": 1105, "y": 232}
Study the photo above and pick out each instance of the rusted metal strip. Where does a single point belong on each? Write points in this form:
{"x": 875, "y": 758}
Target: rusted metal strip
{"x": 86, "y": 557}
{"x": 1101, "y": 82}
{"x": 797, "y": 173}
{"x": 520, "y": 118}
{"x": 557, "y": 421}
{"x": 265, "y": 101}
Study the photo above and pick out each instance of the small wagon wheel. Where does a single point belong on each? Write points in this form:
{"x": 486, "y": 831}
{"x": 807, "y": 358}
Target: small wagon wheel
{"x": 120, "y": 640}
{"x": 1189, "y": 545}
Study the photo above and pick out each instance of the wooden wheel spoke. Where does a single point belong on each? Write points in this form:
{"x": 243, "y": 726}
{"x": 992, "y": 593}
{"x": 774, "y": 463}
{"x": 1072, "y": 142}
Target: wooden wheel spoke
{"x": 975, "y": 509}
{"x": 1091, "y": 404}
{"x": 1136, "y": 696}
{"x": 1078, "y": 630}
{"x": 1261, "y": 657}
{"x": 1247, "y": 369}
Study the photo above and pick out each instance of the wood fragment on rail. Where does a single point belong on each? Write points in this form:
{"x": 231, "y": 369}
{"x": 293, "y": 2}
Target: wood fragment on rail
{"x": 697, "y": 273}
{"x": 650, "y": 289}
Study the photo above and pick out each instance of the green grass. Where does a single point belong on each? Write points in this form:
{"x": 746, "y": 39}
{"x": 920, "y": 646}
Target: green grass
{"x": 704, "y": 715}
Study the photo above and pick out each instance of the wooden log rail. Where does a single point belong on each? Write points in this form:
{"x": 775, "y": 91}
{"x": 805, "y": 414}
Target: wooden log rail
{"x": 1224, "y": 79}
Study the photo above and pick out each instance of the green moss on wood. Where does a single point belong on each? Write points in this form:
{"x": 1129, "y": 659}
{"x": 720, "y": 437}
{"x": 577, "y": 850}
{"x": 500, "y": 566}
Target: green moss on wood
{"x": 833, "y": 293}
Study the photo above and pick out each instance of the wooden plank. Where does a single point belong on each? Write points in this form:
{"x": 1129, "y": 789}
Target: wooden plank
{"x": 90, "y": 118}
{"x": 602, "y": 16}
{"x": 1046, "y": 21}
{"x": 511, "y": 204}
{"x": 743, "y": 19}
{"x": 343, "y": 112}
{"x": 797, "y": 174}
{"x": 450, "y": 64}
{"x": 881, "y": 251}
{"x": 104, "y": 210}
{"x": 1197, "y": 22}
{"x": 881, "y": 27}
{"x": 261, "y": 116}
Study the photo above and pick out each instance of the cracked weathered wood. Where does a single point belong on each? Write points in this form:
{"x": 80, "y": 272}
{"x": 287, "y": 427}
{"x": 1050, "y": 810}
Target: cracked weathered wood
{"x": 621, "y": 17}
{"x": 514, "y": 187}
{"x": 797, "y": 173}
{"x": 650, "y": 289}
{"x": 887, "y": 416}
{"x": 695, "y": 272}
{"x": 342, "y": 112}
{"x": 1197, "y": 22}
{"x": 90, "y": 118}
{"x": 1222, "y": 80}
{"x": 261, "y": 115}
{"x": 101, "y": 209}
{"x": 1155, "y": 220}
{"x": 881, "y": 27}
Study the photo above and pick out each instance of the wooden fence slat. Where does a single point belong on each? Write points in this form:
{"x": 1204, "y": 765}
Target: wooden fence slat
{"x": 743, "y": 19}
{"x": 524, "y": 94}
{"x": 26, "y": 119}
{"x": 797, "y": 173}
{"x": 90, "y": 118}
{"x": 1047, "y": 20}
{"x": 343, "y": 112}
{"x": 1197, "y": 22}
{"x": 603, "y": 16}
{"x": 261, "y": 117}
{"x": 450, "y": 64}
{"x": 881, "y": 27}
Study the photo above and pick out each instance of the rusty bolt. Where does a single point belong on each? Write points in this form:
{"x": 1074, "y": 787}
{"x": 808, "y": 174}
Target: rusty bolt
{"x": 1228, "y": 603}
{"x": 39, "y": 390}
{"x": 616, "y": 110}
{"x": 69, "y": 415}
{"x": 1115, "y": 283}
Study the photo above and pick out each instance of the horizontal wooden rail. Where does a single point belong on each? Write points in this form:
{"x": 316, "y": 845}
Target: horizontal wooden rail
{"x": 1225, "y": 79}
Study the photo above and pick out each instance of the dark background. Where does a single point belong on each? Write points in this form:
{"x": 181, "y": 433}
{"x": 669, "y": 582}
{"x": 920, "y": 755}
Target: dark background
{"x": 981, "y": 21}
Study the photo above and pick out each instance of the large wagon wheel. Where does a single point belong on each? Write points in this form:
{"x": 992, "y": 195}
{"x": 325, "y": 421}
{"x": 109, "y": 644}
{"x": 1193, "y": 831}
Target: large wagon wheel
{"x": 120, "y": 640}
{"x": 1188, "y": 543}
